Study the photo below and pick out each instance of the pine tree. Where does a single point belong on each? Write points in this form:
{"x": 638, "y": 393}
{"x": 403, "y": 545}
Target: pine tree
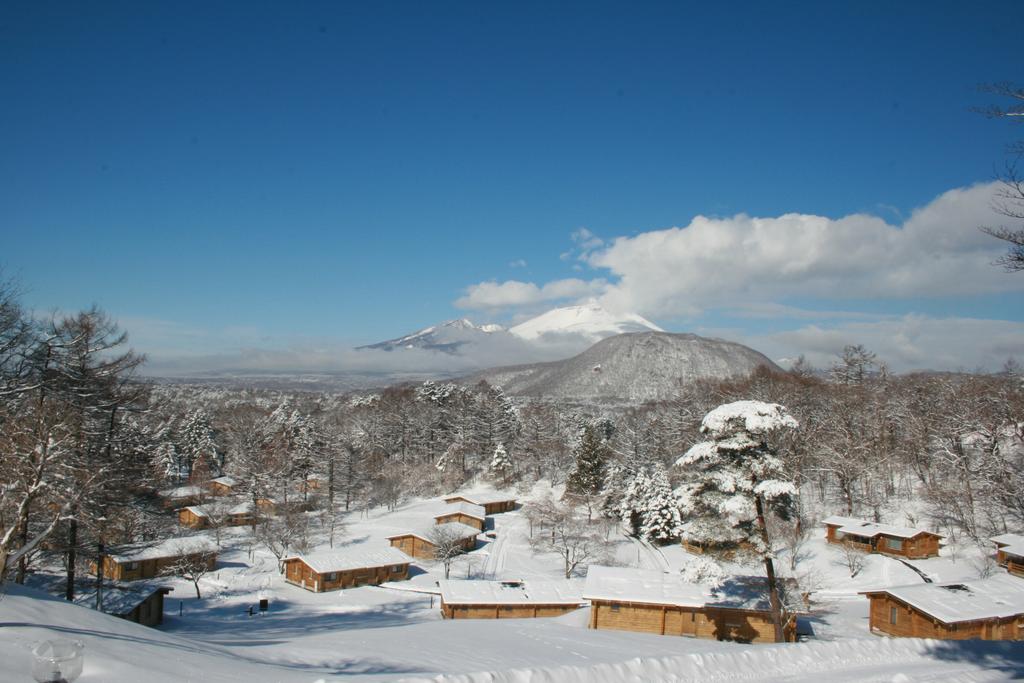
{"x": 739, "y": 478}
{"x": 195, "y": 440}
{"x": 501, "y": 465}
{"x": 662, "y": 522}
{"x": 587, "y": 479}
{"x": 634, "y": 502}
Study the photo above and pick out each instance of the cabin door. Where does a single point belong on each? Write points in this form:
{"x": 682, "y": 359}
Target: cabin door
{"x": 688, "y": 627}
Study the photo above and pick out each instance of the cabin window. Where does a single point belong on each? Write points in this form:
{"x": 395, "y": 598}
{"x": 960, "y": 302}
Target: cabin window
{"x": 131, "y": 566}
{"x": 615, "y": 608}
{"x": 892, "y": 615}
{"x": 894, "y": 543}
{"x": 333, "y": 576}
{"x": 397, "y": 569}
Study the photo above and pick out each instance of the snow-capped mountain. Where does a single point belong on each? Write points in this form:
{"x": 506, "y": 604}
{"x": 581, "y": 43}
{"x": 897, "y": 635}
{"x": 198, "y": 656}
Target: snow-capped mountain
{"x": 590, "y": 321}
{"x": 448, "y": 337}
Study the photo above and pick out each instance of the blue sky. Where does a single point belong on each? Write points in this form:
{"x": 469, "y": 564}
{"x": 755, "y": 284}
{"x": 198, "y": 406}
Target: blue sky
{"x": 257, "y": 174}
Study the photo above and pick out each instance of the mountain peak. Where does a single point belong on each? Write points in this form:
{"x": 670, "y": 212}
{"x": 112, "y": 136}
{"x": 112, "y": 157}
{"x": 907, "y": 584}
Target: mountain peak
{"x": 590, "y": 320}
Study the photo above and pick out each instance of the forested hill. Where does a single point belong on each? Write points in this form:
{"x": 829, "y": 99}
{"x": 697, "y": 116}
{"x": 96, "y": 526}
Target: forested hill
{"x": 631, "y": 368}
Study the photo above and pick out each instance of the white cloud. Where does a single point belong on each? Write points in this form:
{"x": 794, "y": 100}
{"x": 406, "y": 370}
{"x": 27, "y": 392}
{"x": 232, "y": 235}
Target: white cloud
{"x": 909, "y": 342}
{"x": 734, "y": 261}
{"x": 518, "y": 263}
{"x": 514, "y": 293}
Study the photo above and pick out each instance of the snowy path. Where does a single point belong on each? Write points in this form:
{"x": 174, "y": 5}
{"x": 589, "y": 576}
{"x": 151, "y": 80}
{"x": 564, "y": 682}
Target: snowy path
{"x": 648, "y": 556}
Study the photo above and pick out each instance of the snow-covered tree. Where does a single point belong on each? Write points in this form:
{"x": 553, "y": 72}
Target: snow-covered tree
{"x": 738, "y": 477}
{"x": 587, "y": 479}
{"x": 661, "y": 520}
{"x": 501, "y": 467}
{"x": 196, "y": 440}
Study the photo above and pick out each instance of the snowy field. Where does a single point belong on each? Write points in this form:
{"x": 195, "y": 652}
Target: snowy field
{"x": 395, "y": 632}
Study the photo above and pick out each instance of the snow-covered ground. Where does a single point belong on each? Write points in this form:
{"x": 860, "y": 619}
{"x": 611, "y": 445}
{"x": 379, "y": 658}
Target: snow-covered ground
{"x": 395, "y": 632}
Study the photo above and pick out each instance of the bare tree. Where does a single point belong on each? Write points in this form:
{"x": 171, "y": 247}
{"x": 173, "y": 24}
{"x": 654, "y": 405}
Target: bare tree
{"x": 191, "y": 566}
{"x": 852, "y": 558}
{"x": 577, "y": 540}
{"x": 448, "y": 544}
{"x": 1009, "y": 200}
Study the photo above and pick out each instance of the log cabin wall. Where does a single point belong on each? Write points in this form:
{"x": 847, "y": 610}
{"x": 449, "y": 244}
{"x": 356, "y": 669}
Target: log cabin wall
{"x": 490, "y": 611}
{"x": 299, "y": 573}
{"x": 913, "y": 623}
{"x": 696, "y": 622}
{"x": 461, "y": 517}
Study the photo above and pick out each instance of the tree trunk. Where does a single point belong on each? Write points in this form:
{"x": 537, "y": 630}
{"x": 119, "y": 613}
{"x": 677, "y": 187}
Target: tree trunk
{"x": 769, "y": 568}
{"x": 99, "y": 575}
{"x": 198, "y": 596}
{"x": 72, "y": 555}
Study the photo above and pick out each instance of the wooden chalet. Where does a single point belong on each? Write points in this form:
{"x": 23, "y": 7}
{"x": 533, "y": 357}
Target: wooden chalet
{"x": 140, "y": 561}
{"x": 143, "y": 604}
{"x": 420, "y": 543}
{"x": 651, "y": 601}
{"x": 194, "y": 517}
{"x": 243, "y": 515}
{"x": 873, "y": 537}
{"x": 346, "y": 568}
{"x": 181, "y": 496}
{"x": 464, "y": 513}
{"x": 492, "y": 504}
{"x": 984, "y": 609}
{"x": 223, "y": 486}
{"x": 508, "y": 599}
{"x": 1010, "y": 552}
{"x": 313, "y": 482}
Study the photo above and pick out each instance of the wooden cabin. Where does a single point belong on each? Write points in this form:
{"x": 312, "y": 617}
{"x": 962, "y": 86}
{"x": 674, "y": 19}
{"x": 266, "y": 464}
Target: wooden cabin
{"x": 242, "y": 514}
{"x": 508, "y": 599}
{"x": 223, "y": 486}
{"x": 181, "y": 496}
{"x": 142, "y": 604}
{"x": 983, "y": 609}
{"x": 465, "y": 513}
{"x": 346, "y": 568}
{"x": 651, "y": 601}
{"x": 1010, "y": 552}
{"x": 141, "y": 561}
{"x": 421, "y": 543}
{"x": 873, "y": 537}
{"x": 492, "y": 504}
{"x": 194, "y": 517}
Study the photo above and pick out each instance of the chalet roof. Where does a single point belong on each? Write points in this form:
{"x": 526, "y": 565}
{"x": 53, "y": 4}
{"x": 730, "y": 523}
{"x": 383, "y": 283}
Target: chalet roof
{"x": 860, "y": 527}
{"x": 996, "y": 597}
{"x": 197, "y": 510}
{"x": 245, "y": 507}
{"x": 181, "y": 492}
{"x": 627, "y": 584}
{"x": 1010, "y": 543}
{"x": 528, "y": 592}
{"x": 462, "y": 531}
{"x": 359, "y": 557}
{"x": 481, "y": 498}
{"x": 225, "y": 481}
{"x": 118, "y": 599}
{"x": 171, "y": 547}
{"x": 468, "y": 509}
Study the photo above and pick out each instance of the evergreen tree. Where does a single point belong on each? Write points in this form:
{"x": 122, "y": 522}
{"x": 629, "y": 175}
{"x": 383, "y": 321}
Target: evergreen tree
{"x": 739, "y": 478}
{"x": 634, "y": 502}
{"x": 662, "y": 522}
{"x": 592, "y": 456}
{"x": 501, "y": 465}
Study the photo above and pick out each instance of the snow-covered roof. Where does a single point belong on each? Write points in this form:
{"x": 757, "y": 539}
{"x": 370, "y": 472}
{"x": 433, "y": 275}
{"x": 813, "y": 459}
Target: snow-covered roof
{"x": 352, "y": 558}
{"x": 245, "y": 507}
{"x": 528, "y": 592}
{"x": 181, "y": 492}
{"x": 998, "y": 596}
{"x": 468, "y": 509}
{"x": 197, "y": 510}
{"x": 860, "y": 527}
{"x": 627, "y": 584}
{"x": 458, "y": 529}
{"x": 120, "y": 599}
{"x": 225, "y": 481}
{"x": 171, "y": 547}
{"x": 481, "y": 498}
{"x": 1010, "y": 543}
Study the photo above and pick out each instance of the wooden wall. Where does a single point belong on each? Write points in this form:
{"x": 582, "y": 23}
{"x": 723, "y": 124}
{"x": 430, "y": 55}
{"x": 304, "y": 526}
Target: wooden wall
{"x": 912, "y": 623}
{"x": 144, "y": 569}
{"x": 485, "y": 611}
{"x": 299, "y": 573}
{"x": 190, "y": 519}
{"x": 414, "y": 546}
{"x": 696, "y": 622}
{"x": 461, "y": 517}
{"x": 149, "y": 612}
{"x": 920, "y": 547}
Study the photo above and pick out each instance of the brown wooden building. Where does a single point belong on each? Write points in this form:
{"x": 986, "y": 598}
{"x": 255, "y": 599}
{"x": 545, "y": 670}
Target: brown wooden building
{"x": 242, "y": 514}
{"x": 142, "y": 604}
{"x": 194, "y": 517}
{"x": 508, "y": 599}
{"x": 347, "y": 568}
{"x": 873, "y": 537}
{"x": 464, "y": 513}
{"x": 181, "y": 496}
{"x": 650, "y": 601}
{"x": 222, "y": 486}
{"x": 492, "y": 504}
{"x": 147, "y": 561}
{"x": 984, "y": 609}
{"x": 420, "y": 543}
{"x": 1010, "y": 552}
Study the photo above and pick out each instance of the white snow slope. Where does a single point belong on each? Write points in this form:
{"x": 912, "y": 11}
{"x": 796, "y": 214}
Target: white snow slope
{"x": 590, "y": 321}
